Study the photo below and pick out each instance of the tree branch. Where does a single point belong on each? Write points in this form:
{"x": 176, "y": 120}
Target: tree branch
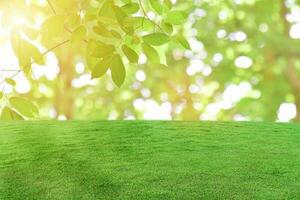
{"x": 43, "y": 54}
{"x": 145, "y": 15}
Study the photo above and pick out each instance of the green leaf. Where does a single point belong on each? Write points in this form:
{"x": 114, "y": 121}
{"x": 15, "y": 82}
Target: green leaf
{"x": 131, "y": 8}
{"x": 78, "y": 35}
{"x": 175, "y": 17}
{"x": 136, "y": 39}
{"x": 101, "y": 68}
{"x": 151, "y": 53}
{"x": 53, "y": 26}
{"x": 21, "y": 49}
{"x": 123, "y": 20}
{"x": 118, "y": 72}
{"x": 100, "y": 29}
{"x": 115, "y": 34}
{"x": 167, "y": 28}
{"x": 156, "y": 39}
{"x": 1, "y": 95}
{"x": 107, "y": 9}
{"x": 183, "y": 41}
{"x": 103, "y": 50}
{"x": 36, "y": 55}
{"x": 30, "y": 32}
{"x": 23, "y": 106}
{"x": 130, "y": 54}
{"x": 127, "y": 24}
{"x": 65, "y": 4}
{"x": 9, "y": 114}
{"x": 72, "y": 21}
{"x": 168, "y": 3}
{"x": 24, "y": 55}
{"x": 156, "y": 6}
{"x": 10, "y": 81}
{"x": 91, "y": 61}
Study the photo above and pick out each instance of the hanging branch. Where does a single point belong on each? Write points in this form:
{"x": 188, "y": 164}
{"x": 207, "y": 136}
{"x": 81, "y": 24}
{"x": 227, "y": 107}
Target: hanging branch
{"x": 43, "y": 54}
{"x": 146, "y": 16}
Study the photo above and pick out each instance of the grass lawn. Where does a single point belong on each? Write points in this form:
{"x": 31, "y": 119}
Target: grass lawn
{"x": 149, "y": 160}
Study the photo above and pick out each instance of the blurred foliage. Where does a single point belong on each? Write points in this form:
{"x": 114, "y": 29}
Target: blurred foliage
{"x": 184, "y": 59}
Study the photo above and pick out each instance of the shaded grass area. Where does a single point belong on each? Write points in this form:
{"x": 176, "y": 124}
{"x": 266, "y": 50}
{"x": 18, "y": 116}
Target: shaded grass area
{"x": 149, "y": 160}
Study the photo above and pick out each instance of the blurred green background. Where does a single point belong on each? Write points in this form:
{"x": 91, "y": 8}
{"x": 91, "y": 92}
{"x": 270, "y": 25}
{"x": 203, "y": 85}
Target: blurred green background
{"x": 244, "y": 64}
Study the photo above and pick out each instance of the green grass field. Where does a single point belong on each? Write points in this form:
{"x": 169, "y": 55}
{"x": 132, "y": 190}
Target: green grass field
{"x": 149, "y": 160}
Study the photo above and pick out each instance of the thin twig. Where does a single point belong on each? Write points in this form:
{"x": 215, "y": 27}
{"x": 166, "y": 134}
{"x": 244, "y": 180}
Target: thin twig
{"x": 51, "y": 6}
{"x": 43, "y": 54}
{"x": 145, "y": 15}
{"x": 9, "y": 70}
{"x": 56, "y": 46}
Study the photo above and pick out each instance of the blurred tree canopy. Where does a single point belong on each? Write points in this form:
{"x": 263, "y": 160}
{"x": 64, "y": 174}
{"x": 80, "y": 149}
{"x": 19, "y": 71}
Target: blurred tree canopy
{"x": 156, "y": 59}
